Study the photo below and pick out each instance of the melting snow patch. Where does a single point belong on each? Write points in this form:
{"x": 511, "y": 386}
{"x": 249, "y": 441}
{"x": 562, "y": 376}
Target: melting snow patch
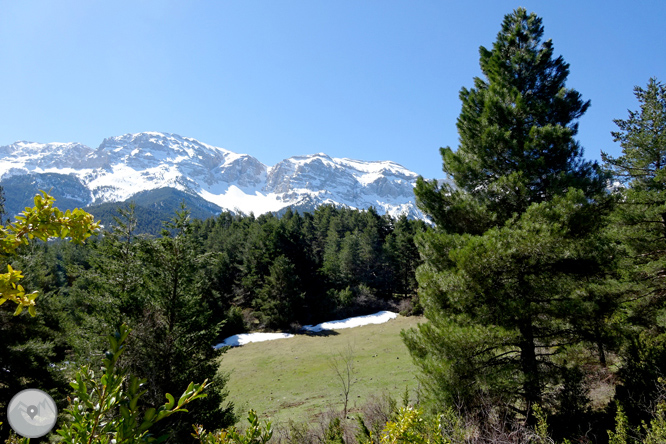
{"x": 377, "y": 318}
{"x": 246, "y": 338}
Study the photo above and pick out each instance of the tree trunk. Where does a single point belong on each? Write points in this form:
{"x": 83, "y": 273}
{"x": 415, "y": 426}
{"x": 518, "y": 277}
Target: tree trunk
{"x": 529, "y": 367}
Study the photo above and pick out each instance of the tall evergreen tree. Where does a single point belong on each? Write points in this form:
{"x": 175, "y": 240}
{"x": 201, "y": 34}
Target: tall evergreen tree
{"x": 517, "y": 128}
{"x": 640, "y": 226}
{"x": 33, "y": 349}
{"x": 2, "y": 204}
{"x": 641, "y": 169}
{"x": 403, "y": 255}
{"x": 513, "y": 248}
{"x": 171, "y": 345}
{"x": 110, "y": 289}
{"x": 280, "y": 296}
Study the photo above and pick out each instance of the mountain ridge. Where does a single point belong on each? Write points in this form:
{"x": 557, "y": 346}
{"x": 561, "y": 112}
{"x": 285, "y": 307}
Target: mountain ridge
{"x": 122, "y": 166}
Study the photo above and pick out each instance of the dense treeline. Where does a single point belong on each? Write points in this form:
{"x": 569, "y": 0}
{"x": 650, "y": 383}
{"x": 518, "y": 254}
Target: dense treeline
{"x": 303, "y": 269}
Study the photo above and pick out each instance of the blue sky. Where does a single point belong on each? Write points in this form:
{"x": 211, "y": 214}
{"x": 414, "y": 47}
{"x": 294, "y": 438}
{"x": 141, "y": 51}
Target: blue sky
{"x": 371, "y": 80}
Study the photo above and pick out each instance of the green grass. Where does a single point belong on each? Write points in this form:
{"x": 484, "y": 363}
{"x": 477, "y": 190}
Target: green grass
{"x": 292, "y": 378}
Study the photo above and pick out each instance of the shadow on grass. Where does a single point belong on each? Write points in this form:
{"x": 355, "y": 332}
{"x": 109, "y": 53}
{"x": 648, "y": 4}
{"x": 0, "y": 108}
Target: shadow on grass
{"x": 323, "y": 333}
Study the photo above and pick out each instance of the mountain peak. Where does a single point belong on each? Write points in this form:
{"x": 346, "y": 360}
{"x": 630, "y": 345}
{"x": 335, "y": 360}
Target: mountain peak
{"x": 125, "y": 165}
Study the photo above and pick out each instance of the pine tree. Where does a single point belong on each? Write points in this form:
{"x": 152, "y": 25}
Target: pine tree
{"x": 280, "y": 296}
{"x": 640, "y": 227}
{"x": 403, "y": 256}
{"x": 517, "y": 128}
{"x": 514, "y": 248}
{"x": 171, "y": 344}
{"x": 33, "y": 349}
{"x": 112, "y": 289}
{"x": 641, "y": 169}
{"x": 2, "y": 204}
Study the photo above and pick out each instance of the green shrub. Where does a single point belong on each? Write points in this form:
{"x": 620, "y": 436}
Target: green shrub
{"x": 334, "y": 433}
{"x": 255, "y": 433}
{"x": 106, "y": 409}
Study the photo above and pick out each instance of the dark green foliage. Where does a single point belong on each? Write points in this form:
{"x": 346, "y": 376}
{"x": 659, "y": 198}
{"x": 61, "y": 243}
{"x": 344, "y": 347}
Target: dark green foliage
{"x": 111, "y": 287}
{"x": 172, "y": 340}
{"x": 235, "y": 324}
{"x": 3, "y": 211}
{"x": 508, "y": 272}
{"x": 149, "y": 220}
{"x": 363, "y": 435}
{"x": 159, "y": 287}
{"x": 33, "y": 349}
{"x": 177, "y": 290}
{"x": 304, "y": 269}
{"x": 645, "y": 363}
{"x": 297, "y": 269}
{"x": 571, "y": 404}
{"x": 516, "y": 136}
{"x": 643, "y": 140}
{"x": 154, "y": 207}
{"x": 641, "y": 213}
{"x": 403, "y": 254}
{"x": 640, "y": 227}
{"x": 30, "y": 353}
{"x": 280, "y": 296}
{"x": 500, "y": 305}
{"x": 167, "y": 200}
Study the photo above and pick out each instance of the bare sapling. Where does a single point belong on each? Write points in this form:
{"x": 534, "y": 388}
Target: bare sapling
{"x": 342, "y": 363}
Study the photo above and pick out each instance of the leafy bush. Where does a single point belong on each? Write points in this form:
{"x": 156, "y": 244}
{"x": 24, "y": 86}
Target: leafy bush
{"x": 411, "y": 427}
{"x": 255, "y": 433}
{"x": 106, "y": 409}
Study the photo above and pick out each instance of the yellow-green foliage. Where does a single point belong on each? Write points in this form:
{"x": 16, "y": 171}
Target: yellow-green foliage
{"x": 254, "y": 434}
{"x": 43, "y": 221}
{"x": 656, "y": 432}
{"x": 619, "y": 436}
{"x": 410, "y": 427}
{"x": 541, "y": 427}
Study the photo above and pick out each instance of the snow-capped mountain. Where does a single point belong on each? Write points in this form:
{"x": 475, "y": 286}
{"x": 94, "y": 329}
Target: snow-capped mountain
{"x": 126, "y": 165}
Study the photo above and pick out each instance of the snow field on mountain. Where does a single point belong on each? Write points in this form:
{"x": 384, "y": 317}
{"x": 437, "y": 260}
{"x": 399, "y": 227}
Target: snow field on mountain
{"x": 125, "y": 165}
{"x": 236, "y": 199}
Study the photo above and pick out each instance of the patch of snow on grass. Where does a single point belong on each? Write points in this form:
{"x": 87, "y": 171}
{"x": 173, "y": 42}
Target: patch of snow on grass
{"x": 246, "y": 338}
{"x": 377, "y": 318}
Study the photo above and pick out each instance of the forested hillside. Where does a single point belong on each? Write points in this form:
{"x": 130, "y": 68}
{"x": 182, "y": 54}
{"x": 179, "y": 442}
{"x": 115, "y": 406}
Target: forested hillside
{"x": 196, "y": 283}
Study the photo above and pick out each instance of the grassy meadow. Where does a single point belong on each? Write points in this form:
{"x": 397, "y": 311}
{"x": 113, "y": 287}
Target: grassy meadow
{"x": 292, "y": 378}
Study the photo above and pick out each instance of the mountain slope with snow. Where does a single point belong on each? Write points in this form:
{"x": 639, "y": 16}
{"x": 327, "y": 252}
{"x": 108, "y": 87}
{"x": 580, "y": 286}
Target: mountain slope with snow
{"x": 125, "y": 165}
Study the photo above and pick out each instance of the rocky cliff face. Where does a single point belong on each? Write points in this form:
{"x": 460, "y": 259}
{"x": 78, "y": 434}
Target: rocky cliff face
{"x": 126, "y": 165}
